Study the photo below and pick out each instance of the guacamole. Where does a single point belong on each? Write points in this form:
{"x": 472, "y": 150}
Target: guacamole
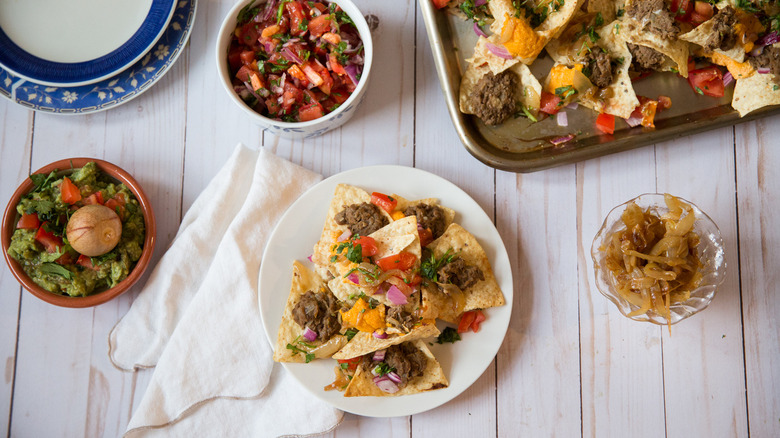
{"x": 40, "y": 244}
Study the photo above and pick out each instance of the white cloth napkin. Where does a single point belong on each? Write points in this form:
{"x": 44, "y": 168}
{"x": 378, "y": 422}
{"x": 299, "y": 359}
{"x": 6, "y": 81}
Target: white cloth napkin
{"x": 197, "y": 318}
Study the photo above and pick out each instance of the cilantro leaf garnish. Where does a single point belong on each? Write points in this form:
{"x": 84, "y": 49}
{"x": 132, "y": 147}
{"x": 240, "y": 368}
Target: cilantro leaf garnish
{"x": 55, "y": 269}
{"x": 429, "y": 267}
{"x": 448, "y": 335}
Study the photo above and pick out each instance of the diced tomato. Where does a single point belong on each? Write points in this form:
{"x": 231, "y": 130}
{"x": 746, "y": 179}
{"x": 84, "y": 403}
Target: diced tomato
{"x": 337, "y": 68}
{"x": 682, "y": 9}
{"x": 29, "y": 222}
{"x": 243, "y": 73}
{"x": 403, "y": 261}
{"x": 118, "y": 205}
{"x": 327, "y": 80}
{"x": 248, "y": 33}
{"x": 86, "y": 262}
{"x": 440, "y": 3}
{"x": 66, "y": 259}
{"x": 339, "y": 95}
{"x": 386, "y": 203}
{"x": 606, "y": 123}
{"x": 702, "y": 11}
{"x": 549, "y": 103}
{"x": 247, "y": 57}
{"x": 478, "y": 318}
{"x": 319, "y": 25}
{"x": 707, "y": 81}
{"x": 273, "y": 106}
{"x": 234, "y": 57}
{"x": 466, "y": 320}
{"x": 351, "y": 363}
{"x": 426, "y": 236}
{"x": 95, "y": 198}
{"x": 311, "y": 111}
{"x": 291, "y": 96}
{"x": 297, "y": 73}
{"x": 298, "y": 25}
{"x": 367, "y": 245}
{"x": 69, "y": 192}
{"x": 49, "y": 241}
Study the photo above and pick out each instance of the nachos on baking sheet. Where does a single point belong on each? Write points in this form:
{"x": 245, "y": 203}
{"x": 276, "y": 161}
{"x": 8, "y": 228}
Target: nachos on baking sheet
{"x": 385, "y": 269}
{"x": 600, "y": 47}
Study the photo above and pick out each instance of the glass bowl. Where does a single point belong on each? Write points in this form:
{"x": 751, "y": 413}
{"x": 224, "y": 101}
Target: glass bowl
{"x": 709, "y": 249}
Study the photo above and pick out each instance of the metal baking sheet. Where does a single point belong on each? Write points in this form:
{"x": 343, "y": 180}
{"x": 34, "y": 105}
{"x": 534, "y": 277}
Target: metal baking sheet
{"x": 519, "y": 145}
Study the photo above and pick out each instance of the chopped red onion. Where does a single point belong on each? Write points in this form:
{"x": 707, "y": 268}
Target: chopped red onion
{"x": 394, "y": 377}
{"x": 309, "y": 334}
{"x": 478, "y": 31}
{"x": 345, "y": 235}
{"x": 289, "y": 55}
{"x": 727, "y": 79}
{"x": 769, "y": 39}
{"x": 763, "y": 70}
{"x": 396, "y": 296}
{"x": 270, "y": 8}
{"x": 573, "y": 105}
{"x": 386, "y": 385}
{"x": 379, "y": 355}
{"x": 634, "y": 121}
{"x": 499, "y": 51}
{"x": 380, "y": 335}
{"x": 561, "y": 140}
{"x": 354, "y": 278}
{"x": 352, "y": 72}
{"x": 309, "y": 257}
{"x": 479, "y": 3}
{"x": 757, "y": 50}
{"x": 284, "y": 79}
{"x": 562, "y": 119}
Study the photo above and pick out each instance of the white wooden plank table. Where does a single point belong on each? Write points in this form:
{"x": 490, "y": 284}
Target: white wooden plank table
{"x": 571, "y": 364}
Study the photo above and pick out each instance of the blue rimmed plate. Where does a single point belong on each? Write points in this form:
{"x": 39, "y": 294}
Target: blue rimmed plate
{"x": 109, "y": 92}
{"x": 78, "y": 42}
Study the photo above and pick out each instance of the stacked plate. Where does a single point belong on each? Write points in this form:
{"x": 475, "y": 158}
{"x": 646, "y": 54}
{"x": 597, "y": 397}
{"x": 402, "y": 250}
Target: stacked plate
{"x": 83, "y": 56}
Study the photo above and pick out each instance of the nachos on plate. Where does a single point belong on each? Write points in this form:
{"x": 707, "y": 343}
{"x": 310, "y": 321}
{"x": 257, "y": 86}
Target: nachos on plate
{"x": 385, "y": 269}
{"x": 600, "y": 47}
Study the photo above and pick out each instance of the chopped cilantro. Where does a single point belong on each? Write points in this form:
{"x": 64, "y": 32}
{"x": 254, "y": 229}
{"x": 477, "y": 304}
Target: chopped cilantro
{"x": 429, "y": 267}
{"x": 246, "y": 14}
{"x": 448, "y": 335}
{"x": 55, "y": 269}
{"x": 381, "y": 369}
{"x": 350, "y": 333}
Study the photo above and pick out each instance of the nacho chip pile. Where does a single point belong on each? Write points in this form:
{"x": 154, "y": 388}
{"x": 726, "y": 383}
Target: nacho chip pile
{"x": 599, "y": 47}
{"x": 385, "y": 269}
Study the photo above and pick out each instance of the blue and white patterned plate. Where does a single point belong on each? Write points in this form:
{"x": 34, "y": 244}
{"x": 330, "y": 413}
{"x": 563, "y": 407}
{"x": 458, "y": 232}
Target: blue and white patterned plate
{"x": 113, "y": 91}
{"x": 77, "y": 44}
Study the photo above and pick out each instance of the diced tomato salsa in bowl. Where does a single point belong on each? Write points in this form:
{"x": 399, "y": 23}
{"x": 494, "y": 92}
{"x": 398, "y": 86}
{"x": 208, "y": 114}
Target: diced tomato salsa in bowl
{"x": 295, "y": 61}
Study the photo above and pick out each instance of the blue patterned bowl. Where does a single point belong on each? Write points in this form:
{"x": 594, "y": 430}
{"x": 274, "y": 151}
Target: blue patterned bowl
{"x": 297, "y": 130}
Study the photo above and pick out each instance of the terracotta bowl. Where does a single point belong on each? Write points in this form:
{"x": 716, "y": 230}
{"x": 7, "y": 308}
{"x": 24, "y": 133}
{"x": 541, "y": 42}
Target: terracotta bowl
{"x": 11, "y": 217}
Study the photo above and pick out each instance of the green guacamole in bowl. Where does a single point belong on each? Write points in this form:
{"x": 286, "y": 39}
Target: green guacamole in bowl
{"x": 40, "y": 244}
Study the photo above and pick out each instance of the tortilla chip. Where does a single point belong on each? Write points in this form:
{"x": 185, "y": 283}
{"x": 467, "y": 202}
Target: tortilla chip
{"x": 400, "y": 235}
{"x": 485, "y": 293}
{"x": 755, "y": 92}
{"x": 362, "y": 383}
{"x": 303, "y": 280}
{"x": 700, "y": 34}
{"x": 607, "y": 8}
{"x": 528, "y": 93}
{"x": 677, "y": 51}
{"x": 403, "y": 204}
{"x": 364, "y": 342}
{"x": 484, "y": 56}
{"x": 343, "y": 196}
{"x": 622, "y": 100}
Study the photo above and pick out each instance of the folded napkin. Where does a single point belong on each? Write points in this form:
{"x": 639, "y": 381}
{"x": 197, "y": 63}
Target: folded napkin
{"x": 197, "y": 318}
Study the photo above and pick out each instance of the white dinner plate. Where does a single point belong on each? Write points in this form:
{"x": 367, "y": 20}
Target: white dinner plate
{"x": 300, "y": 228}
{"x": 78, "y": 42}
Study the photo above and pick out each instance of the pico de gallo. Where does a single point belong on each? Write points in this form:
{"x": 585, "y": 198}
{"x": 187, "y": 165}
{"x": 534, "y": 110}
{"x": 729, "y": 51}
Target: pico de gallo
{"x": 295, "y": 61}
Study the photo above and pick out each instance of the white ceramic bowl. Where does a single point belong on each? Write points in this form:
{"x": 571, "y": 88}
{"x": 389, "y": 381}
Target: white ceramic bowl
{"x": 297, "y": 130}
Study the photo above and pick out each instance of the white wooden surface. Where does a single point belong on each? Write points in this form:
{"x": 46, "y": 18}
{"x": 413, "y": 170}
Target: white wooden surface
{"x": 570, "y": 365}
